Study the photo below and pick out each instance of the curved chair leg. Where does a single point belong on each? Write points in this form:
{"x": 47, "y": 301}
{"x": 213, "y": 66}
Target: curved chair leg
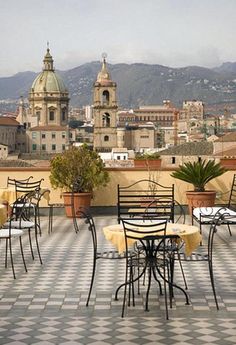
{"x": 182, "y": 271}
{"x": 92, "y": 280}
{"x": 11, "y": 256}
{"x": 37, "y": 244}
{"x": 50, "y": 219}
{"x": 6, "y": 250}
{"x": 30, "y": 242}
{"x": 212, "y": 283}
{"x": 165, "y": 292}
{"x": 22, "y": 254}
{"x": 229, "y": 229}
{"x": 125, "y": 289}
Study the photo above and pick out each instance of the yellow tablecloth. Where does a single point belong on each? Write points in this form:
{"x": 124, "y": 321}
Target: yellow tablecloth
{"x": 3, "y": 214}
{"x": 8, "y": 194}
{"x": 188, "y": 233}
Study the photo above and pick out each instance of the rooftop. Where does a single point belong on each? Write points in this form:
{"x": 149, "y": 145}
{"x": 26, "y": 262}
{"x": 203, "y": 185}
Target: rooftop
{"x": 190, "y": 149}
{"x": 47, "y": 304}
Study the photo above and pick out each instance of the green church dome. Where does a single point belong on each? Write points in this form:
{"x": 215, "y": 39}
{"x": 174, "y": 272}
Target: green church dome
{"x": 48, "y": 80}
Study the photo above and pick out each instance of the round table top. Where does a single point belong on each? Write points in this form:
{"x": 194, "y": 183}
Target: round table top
{"x": 188, "y": 233}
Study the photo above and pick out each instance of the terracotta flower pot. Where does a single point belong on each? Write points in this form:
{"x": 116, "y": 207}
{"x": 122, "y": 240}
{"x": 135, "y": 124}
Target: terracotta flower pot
{"x": 80, "y": 200}
{"x": 229, "y": 163}
{"x": 200, "y": 199}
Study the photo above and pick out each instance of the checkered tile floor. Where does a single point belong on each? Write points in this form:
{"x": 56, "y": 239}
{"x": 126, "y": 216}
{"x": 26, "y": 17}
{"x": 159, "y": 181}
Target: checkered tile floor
{"x": 47, "y": 304}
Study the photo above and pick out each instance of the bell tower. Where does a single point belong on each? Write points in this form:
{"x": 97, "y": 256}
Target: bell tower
{"x": 105, "y": 110}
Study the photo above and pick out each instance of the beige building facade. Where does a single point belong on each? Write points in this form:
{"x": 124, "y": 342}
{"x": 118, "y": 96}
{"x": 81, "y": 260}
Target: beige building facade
{"x": 8, "y": 133}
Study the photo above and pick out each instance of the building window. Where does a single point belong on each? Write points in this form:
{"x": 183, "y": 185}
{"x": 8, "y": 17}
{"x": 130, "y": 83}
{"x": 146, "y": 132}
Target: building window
{"x": 43, "y": 147}
{"x": 51, "y": 115}
{"x": 38, "y": 115}
{"x": 71, "y": 136}
{"x": 43, "y": 135}
{"x": 105, "y": 97}
{"x": 106, "y": 120}
{"x": 53, "y": 135}
{"x": 63, "y": 147}
{"x": 173, "y": 160}
{"x": 34, "y": 135}
{"x": 106, "y": 138}
{"x": 118, "y": 158}
{"x": 63, "y": 115}
{"x": 34, "y": 147}
{"x": 53, "y": 147}
{"x": 63, "y": 135}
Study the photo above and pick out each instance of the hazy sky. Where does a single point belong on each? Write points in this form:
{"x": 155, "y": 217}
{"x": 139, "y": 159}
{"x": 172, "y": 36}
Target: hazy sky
{"x": 176, "y": 33}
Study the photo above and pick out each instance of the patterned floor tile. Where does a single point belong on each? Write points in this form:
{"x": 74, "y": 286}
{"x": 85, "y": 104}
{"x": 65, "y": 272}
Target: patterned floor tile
{"x": 47, "y": 304}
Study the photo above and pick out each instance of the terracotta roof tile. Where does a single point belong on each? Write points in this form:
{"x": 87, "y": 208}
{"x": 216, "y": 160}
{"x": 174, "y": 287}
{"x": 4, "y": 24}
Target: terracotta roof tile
{"x": 8, "y": 121}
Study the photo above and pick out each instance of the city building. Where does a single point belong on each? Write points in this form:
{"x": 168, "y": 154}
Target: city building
{"x": 9, "y": 128}
{"x": 46, "y": 121}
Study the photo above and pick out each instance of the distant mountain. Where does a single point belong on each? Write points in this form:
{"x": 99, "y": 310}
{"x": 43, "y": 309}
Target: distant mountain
{"x": 226, "y": 67}
{"x": 139, "y": 84}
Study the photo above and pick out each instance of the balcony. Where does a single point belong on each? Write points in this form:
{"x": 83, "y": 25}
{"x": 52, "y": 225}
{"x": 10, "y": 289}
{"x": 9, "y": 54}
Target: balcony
{"x": 47, "y": 304}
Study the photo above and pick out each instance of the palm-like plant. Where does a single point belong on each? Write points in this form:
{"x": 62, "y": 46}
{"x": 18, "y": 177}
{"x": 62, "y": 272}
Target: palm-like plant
{"x": 199, "y": 173}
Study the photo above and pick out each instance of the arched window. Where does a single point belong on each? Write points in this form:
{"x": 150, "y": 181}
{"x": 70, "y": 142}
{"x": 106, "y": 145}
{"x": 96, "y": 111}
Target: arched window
{"x": 105, "y": 97}
{"x": 106, "y": 121}
{"x": 106, "y": 138}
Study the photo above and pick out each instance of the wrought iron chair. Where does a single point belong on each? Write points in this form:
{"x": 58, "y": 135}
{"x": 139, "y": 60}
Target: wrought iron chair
{"x": 98, "y": 255}
{"x": 205, "y": 253}
{"x": 9, "y": 231}
{"x": 133, "y": 200}
{"x": 151, "y": 213}
{"x": 205, "y": 215}
{"x": 24, "y": 220}
{"x": 157, "y": 259}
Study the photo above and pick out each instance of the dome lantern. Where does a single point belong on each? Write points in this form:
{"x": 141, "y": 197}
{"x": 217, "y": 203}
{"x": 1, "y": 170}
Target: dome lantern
{"x": 48, "y": 61}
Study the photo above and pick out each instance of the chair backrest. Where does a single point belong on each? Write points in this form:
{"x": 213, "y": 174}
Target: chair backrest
{"x": 21, "y": 213}
{"x": 221, "y": 217}
{"x": 12, "y": 182}
{"x": 150, "y": 234}
{"x": 161, "y": 209}
{"x": 134, "y": 200}
{"x": 27, "y": 187}
{"x": 232, "y": 196}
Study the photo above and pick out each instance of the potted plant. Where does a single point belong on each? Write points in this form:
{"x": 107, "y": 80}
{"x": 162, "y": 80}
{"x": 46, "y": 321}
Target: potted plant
{"x": 199, "y": 173}
{"x": 147, "y": 160}
{"x": 80, "y": 170}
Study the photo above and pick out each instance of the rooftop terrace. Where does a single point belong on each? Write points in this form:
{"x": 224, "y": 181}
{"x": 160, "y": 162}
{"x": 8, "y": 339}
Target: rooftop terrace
{"x": 47, "y": 304}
